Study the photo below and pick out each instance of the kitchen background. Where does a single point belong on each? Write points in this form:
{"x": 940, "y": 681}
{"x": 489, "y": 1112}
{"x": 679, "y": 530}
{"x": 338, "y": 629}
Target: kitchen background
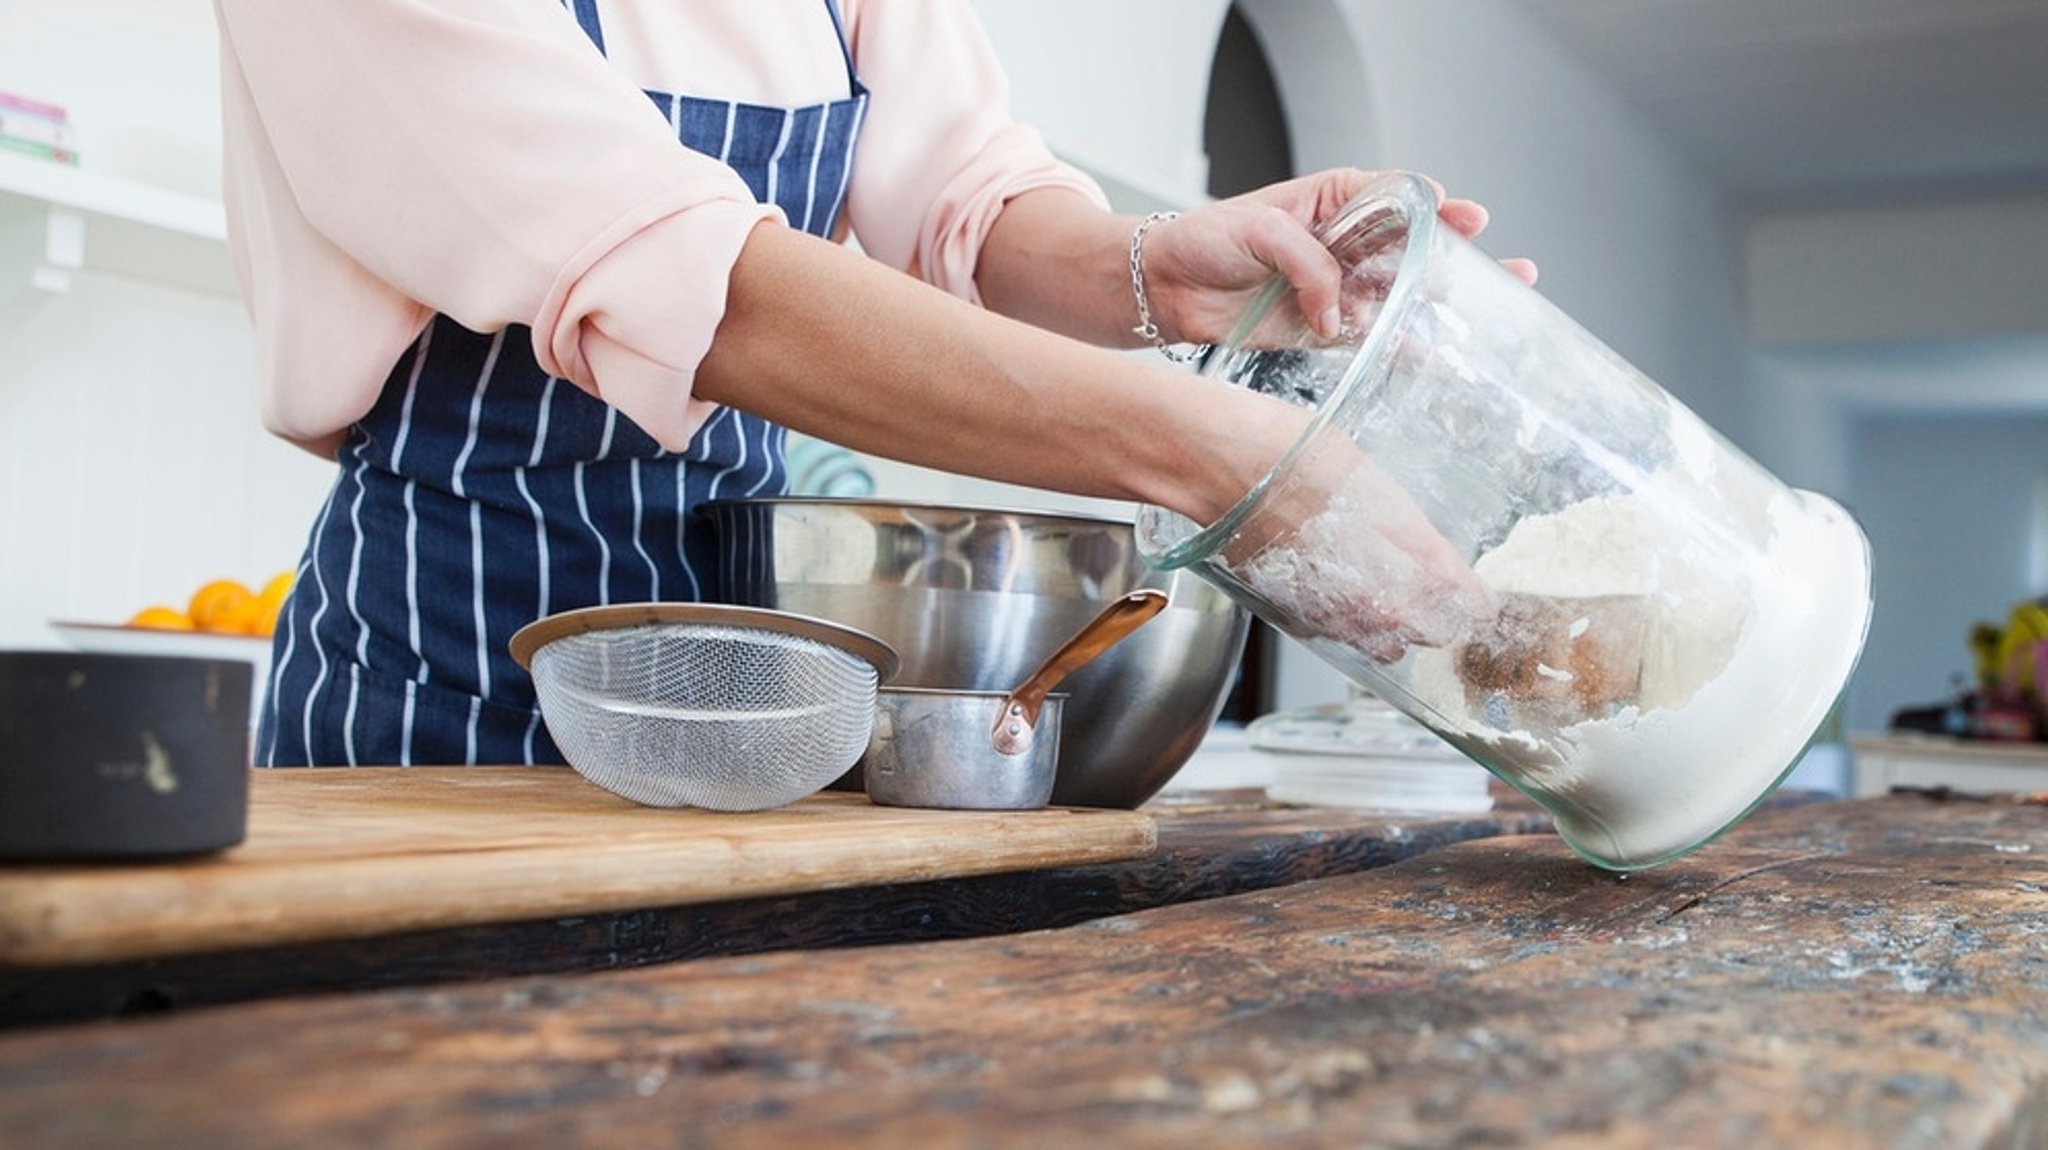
{"x": 1821, "y": 223}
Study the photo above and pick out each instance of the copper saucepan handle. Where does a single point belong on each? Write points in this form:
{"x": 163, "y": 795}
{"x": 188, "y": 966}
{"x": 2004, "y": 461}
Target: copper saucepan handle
{"x": 1017, "y": 723}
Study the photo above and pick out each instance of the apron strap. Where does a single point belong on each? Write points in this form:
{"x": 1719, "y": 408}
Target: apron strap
{"x": 853, "y": 84}
{"x": 586, "y": 15}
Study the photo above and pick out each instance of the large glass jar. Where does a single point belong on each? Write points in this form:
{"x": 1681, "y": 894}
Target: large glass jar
{"x": 1499, "y": 526}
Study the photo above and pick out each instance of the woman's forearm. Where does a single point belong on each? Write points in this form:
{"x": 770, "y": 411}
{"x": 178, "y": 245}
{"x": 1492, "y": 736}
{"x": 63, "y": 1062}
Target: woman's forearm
{"x": 1057, "y": 261}
{"x": 830, "y": 343}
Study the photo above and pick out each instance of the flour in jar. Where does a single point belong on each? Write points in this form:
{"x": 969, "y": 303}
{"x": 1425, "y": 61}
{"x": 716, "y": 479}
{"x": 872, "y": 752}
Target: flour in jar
{"x": 1744, "y": 647}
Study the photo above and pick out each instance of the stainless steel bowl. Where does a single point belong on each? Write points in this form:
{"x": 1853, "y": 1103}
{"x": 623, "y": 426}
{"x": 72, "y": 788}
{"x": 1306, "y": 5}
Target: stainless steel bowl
{"x": 975, "y": 598}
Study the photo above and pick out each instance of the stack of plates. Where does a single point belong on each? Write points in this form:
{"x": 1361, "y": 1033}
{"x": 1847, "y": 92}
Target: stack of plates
{"x": 1363, "y": 753}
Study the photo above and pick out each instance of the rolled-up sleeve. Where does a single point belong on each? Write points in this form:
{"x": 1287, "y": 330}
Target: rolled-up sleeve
{"x": 396, "y": 158}
{"x": 939, "y": 153}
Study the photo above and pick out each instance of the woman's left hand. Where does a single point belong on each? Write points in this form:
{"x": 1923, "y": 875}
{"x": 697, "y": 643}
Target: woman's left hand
{"x": 1202, "y": 269}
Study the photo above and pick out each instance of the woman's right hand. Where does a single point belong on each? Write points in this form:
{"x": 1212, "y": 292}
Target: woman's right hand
{"x": 1340, "y": 547}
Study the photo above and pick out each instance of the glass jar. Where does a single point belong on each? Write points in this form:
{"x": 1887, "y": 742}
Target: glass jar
{"x": 1500, "y": 527}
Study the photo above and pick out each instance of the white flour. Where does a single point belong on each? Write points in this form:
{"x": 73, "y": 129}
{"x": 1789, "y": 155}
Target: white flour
{"x": 1740, "y": 666}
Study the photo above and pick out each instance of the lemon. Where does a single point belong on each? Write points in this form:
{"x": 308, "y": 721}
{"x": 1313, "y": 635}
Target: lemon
{"x": 161, "y": 618}
{"x": 225, "y": 606}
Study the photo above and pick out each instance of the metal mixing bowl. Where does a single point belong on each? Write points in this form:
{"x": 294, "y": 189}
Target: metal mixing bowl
{"x": 975, "y": 598}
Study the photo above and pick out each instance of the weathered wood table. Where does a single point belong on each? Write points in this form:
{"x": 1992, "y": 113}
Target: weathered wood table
{"x": 1867, "y": 973}
{"x": 376, "y": 877}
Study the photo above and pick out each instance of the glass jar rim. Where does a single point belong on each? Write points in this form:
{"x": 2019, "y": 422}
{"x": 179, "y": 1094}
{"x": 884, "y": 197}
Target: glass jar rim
{"x": 1413, "y": 202}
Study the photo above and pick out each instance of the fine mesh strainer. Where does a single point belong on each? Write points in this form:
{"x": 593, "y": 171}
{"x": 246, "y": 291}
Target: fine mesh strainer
{"x": 690, "y": 704}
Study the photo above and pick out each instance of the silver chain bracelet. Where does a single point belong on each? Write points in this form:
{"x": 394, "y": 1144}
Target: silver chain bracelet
{"x": 1146, "y": 328}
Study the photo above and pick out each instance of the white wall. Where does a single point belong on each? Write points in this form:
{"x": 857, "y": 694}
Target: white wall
{"x": 131, "y": 465}
{"x": 1946, "y": 500}
{"x": 1951, "y": 271}
{"x": 1116, "y": 87}
{"x": 1633, "y": 242}
{"x": 139, "y": 77}
{"x": 1940, "y": 448}
{"x": 1908, "y": 353}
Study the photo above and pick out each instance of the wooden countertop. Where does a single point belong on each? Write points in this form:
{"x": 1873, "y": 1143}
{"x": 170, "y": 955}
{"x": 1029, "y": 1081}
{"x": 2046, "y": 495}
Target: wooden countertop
{"x": 368, "y": 851}
{"x": 1866, "y": 973}
{"x": 1062, "y": 868}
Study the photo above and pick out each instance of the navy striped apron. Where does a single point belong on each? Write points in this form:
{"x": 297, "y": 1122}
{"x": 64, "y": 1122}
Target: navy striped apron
{"x": 480, "y": 494}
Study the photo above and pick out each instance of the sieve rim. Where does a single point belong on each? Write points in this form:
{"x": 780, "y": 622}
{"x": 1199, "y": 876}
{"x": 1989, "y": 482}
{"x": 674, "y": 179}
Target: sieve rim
{"x": 618, "y": 616}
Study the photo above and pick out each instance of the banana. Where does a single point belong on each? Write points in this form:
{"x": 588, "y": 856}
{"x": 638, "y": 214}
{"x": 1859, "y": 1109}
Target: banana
{"x": 2027, "y": 626}
{"x": 1985, "y": 639}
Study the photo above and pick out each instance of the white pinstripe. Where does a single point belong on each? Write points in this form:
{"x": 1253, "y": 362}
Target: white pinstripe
{"x": 860, "y": 115}
{"x": 540, "y": 430}
{"x": 739, "y": 437}
{"x": 476, "y": 409}
{"x": 319, "y": 613}
{"x": 771, "y": 433}
{"x": 639, "y": 524}
{"x": 773, "y": 178}
{"x": 476, "y": 612}
{"x": 682, "y": 529}
{"x": 533, "y": 458}
{"x": 412, "y": 544}
{"x": 817, "y": 149}
{"x": 291, "y": 643}
{"x": 540, "y": 534}
{"x": 540, "y": 545}
{"x": 460, "y": 488}
{"x": 604, "y": 549}
{"x": 355, "y": 578}
{"x": 412, "y": 613}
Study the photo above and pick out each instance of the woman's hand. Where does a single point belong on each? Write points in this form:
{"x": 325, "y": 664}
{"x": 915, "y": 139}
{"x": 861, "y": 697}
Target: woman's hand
{"x": 1202, "y": 269}
{"x": 1346, "y": 555}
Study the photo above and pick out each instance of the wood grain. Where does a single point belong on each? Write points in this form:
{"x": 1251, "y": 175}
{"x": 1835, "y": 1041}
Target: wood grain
{"x": 368, "y": 851}
{"x": 1843, "y": 974}
{"x": 1210, "y": 845}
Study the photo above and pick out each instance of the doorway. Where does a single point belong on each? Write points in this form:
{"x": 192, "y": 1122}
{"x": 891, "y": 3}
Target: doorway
{"x": 1244, "y": 133}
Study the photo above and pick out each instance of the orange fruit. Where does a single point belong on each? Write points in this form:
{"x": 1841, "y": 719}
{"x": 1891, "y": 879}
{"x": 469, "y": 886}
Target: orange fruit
{"x": 224, "y": 605}
{"x": 269, "y": 602}
{"x": 161, "y": 618}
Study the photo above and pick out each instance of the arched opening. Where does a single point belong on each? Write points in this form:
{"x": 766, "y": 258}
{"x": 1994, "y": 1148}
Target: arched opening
{"x": 1286, "y": 95}
{"x": 1318, "y": 68}
{"x": 1244, "y": 125}
{"x": 1245, "y": 134}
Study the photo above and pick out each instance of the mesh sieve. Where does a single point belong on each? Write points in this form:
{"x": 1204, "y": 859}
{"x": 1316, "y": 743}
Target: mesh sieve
{"x": 726, "y": 708}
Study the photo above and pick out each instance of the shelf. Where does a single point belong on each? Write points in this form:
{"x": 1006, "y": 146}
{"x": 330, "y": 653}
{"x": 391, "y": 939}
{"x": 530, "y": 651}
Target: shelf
{"x": 1973, "y": 766}
{"x": 64, "y": 220}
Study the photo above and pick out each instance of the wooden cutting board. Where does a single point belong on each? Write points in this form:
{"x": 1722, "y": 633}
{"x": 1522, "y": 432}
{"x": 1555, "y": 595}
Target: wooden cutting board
{"x": 378, "y": 850}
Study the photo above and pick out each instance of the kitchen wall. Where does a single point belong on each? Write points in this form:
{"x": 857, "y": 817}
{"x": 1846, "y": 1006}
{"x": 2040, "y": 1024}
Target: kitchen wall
{"x": 1942, "y": 448}
{"x": 1928, "y": 483}
{"x": 1906, "y": 354}
{"x": 131, "y": 469}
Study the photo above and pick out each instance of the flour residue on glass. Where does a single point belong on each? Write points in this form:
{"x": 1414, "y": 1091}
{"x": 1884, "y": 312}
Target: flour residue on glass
{"x": 1670, "y": 680}
{"x": 1735, "y": 672}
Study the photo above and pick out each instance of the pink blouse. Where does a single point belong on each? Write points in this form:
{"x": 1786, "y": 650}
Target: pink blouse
{"x": 389, "y": 159}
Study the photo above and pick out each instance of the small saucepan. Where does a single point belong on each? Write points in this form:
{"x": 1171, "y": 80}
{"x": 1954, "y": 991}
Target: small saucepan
{"x": 121, "y": 757}
{"x": 987, "y": 750}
